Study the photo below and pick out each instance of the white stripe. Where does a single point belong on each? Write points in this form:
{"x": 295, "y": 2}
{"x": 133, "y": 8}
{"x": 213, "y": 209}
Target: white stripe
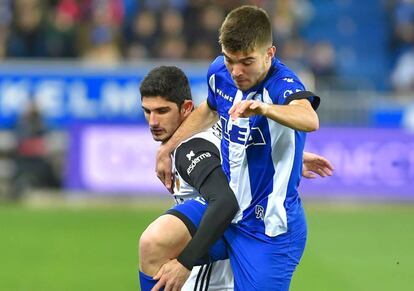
{"x": 212, "y": 83}
{"x": 239, "y": 180}
{"x": 282, "y": 137}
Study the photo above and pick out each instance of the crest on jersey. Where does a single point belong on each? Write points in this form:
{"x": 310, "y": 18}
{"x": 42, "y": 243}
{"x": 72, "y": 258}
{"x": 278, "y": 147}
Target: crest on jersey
{"x": 259, "y": 210}
{"x": 190, "y": 155}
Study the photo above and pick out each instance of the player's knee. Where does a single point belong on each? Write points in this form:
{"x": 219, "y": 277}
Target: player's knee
{"x": 148, "y": 245}
{"x": 153, "y": 246}
{"x": 162, "y": 240}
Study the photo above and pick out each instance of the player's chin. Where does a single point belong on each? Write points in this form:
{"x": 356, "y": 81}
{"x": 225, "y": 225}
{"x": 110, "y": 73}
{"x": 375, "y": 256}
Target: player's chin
{"x": 160, "y": 137}
{"x": 243, "y": 85}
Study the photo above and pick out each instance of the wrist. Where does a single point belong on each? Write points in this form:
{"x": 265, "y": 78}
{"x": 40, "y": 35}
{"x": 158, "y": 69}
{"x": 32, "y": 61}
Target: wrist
{"x": 265, "y": 108}
{"x": 165, "y": 149}
{"x": 185, "y": 262}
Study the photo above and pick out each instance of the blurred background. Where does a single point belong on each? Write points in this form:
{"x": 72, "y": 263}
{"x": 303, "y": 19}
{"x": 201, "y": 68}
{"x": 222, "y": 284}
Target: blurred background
{"x": 77, "y": 184}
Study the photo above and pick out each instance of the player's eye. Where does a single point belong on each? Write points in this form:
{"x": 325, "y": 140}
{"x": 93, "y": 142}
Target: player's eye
{"x": 248, "y": 63}
{"x": 163, "y": 110}
{"x": 230, "y": 62}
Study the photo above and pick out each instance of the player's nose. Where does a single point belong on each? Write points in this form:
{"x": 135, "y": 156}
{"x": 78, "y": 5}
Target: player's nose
{"x": 152, "y": 119}
{"x": 237, "y": 70}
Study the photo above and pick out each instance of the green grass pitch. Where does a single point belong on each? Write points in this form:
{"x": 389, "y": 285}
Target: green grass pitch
{"x": 350, "y": 248}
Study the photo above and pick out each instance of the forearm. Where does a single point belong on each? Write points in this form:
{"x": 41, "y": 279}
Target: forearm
{"x": 222, "y": 206}
{"x": 296, "y": 116}
{"x": 200, "y": 119}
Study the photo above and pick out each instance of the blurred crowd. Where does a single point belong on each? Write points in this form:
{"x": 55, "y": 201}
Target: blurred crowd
{"x": 402, "y": 27}
{"x": 113, "y": 30}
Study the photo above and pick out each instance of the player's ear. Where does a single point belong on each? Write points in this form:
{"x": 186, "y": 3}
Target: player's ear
{"x": 187, "y": 107}
{"x": 271, "y": 51}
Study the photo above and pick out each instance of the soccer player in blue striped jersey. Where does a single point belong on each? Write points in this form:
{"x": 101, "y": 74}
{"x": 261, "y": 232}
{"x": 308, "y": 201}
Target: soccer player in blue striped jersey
{"x": 265, "y": 113}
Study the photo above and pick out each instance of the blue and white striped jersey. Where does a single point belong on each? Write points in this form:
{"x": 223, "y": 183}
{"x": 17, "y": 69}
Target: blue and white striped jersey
{"x": 261, "y": 158}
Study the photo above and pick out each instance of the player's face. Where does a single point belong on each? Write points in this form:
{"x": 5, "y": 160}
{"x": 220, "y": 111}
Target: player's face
{"x": 248, "y": 69}
{"x": 164, "y": 117}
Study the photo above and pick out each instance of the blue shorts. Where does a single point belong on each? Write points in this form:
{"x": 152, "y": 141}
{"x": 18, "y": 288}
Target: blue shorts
{"x": 190, "y": 212}
{"x": 258, "y": 262}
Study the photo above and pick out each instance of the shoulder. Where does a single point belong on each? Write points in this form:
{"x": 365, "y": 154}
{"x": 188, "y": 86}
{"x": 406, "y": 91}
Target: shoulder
{"x": 283, "y": 81}
{"x": 195, "y": 158}
{"x": 201, "y": 142}
{"x": 217, "y": 66}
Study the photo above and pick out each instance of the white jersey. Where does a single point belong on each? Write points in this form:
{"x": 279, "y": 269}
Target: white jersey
{"x": 218, "y": 275}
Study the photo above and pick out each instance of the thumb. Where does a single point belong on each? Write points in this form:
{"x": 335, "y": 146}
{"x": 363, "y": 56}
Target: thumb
{"x": 159, "y": 274}
{"x": 308, "y": 175}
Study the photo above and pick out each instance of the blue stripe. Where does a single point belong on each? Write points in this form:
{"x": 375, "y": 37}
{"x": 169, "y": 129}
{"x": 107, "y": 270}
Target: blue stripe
{"x": 261, "y": 172}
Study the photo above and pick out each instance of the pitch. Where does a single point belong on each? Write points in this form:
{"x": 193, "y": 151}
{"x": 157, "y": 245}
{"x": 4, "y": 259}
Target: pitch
{"x": 350, "y": 247}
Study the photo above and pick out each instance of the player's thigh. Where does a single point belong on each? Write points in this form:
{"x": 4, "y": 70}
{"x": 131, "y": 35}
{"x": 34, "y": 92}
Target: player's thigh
{"x": 169, "y": 234}
{"x": 191, "y": 213}
{"x": 166, "y": 236}
{"x": 263, "y": 265}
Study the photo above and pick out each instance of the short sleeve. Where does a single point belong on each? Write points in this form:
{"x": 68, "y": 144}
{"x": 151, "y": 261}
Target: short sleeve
{"x": 313, "y": 98}
{"x": 211, "y": 84}
{"x": 196, "y": 159}
{"x": 281, "y": 89}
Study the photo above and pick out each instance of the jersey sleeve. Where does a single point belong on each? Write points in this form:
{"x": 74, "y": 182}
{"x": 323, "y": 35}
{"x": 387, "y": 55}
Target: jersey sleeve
{"x": 195, "y": 159}
{"x": 285, "y": 90}
{"x": 211, "y": 84}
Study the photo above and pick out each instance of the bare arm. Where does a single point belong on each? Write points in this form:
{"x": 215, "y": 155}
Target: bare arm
{"x": 298, "y": 114}
{"x": 200, "y": 119}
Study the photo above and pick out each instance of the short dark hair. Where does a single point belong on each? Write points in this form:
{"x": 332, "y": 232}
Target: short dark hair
{"x": 246, "y": 28}
{"x": 168, "y": 82}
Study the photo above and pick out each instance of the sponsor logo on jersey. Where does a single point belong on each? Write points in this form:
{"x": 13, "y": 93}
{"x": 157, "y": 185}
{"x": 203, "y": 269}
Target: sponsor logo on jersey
{"x": 289, "y": 80}
{"x": 290, "y": 92}
{"x": 190, "y": 155}
{"x": 242, "y": 134}
{"x": 225, "y": 96}
{"x": 259, "y": 210}
{"x": 200, "y": 200}
{"x": 196, "y": 160}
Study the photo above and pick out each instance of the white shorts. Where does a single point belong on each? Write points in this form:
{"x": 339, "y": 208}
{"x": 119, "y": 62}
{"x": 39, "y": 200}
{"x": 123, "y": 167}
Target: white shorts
{"x": 216, "y": 276}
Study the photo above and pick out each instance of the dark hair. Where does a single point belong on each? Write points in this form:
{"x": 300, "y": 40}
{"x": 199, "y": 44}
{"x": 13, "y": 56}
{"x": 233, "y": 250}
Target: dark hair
{"x": 168, "y": 82}
{"x": 246, "y": 28}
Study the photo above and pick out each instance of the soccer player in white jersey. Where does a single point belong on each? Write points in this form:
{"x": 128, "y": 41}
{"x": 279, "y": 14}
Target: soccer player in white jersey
{"x": 205, "y": 203}
{"x": 265, "y": 113}
{"x": 166, "y": 101}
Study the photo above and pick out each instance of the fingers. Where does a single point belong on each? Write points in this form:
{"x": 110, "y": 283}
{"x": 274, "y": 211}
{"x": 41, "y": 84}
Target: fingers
{"x": 159, "y": 285}
{"x": 163, "y": 169}
{"x": 243, "y": 109}
{"x": 161, "y": 281}
{"x": 235, "y": 110}
{"x": 168, "y": 181}
{"x": 321, "y": 172}
{"x": 159, "y": 274}
{"x": 308, "y": 175}
{"x": 325, "y": 163}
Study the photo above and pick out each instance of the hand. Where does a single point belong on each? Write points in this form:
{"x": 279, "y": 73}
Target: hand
{"x": 171, "y": 276}
{"x": 163, "y": 167}
{"x": 314, "y": 164}
{"x": 247, "y": 108}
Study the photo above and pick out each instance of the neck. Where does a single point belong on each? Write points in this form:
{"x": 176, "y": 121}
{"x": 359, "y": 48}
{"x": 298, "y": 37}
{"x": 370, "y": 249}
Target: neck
{"x": 263, "y": 76}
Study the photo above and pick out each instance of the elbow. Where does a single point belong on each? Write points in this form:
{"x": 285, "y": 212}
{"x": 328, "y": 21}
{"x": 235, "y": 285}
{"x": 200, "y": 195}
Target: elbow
{"x": 315, "y": 125}
{"x": 229, "y": 206}
{"x": 233, "y": 205}
{"x": 312, "y": 125}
